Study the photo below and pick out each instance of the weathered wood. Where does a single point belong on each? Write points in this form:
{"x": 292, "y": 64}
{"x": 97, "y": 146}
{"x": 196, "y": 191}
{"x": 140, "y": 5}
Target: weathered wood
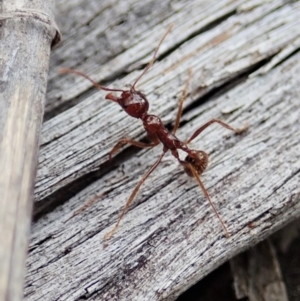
{"x": 27, "y": 31}
{"x": 287, "y": 243}
{"x": 257, "y": 274}
{"x": 78, "y": 141}
{"x": 170, "y": 238}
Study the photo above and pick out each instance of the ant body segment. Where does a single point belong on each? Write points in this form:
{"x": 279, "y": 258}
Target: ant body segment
{"x": 136, "y": 105}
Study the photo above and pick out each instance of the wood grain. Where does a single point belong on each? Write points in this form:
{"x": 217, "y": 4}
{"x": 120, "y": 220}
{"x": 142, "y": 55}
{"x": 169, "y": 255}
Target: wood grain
{"x": 26, "y": 35}
{"x": 245, "y": 65}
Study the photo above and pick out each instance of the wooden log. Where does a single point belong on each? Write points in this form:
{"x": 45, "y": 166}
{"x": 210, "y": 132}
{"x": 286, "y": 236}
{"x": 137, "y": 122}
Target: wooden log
{"x": 27, "y": 32}
{"x": 257, "y": 274}
{"x": 287, "y": 243}
{"x": 245, "y": 65}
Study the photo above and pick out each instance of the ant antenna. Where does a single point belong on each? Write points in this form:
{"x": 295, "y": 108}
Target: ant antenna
{"x": 154, "y": 56}
{"x": 66, "y": 70}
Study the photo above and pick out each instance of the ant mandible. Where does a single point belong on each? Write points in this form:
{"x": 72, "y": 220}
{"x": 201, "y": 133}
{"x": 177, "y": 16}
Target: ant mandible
{"x": 136, "y": 105}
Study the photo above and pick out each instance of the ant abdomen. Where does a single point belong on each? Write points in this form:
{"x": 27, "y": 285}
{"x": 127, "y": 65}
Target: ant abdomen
{"x": 198, "y": 160}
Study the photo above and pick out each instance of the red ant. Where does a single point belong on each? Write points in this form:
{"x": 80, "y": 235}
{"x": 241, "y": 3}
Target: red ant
{"x": 136, "y": 105}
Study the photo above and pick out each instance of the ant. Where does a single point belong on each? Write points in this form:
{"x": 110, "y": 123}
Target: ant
{"x": 136, "y": 105}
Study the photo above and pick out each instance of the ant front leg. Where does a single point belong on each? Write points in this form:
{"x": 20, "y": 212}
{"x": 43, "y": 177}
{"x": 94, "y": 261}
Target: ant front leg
{"x": 222, "y": 123}
{"x": 132, "y": 142}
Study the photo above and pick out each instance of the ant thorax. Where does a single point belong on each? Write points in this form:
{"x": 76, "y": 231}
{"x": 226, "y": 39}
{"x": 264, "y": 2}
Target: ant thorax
{"x": 152, "y": 123}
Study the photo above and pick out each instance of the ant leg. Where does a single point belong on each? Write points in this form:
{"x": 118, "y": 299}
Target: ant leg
{"x": 132, "y": 142}
{"x": 225, "y": 125}
{"x": 182, "y": 99}
{"x": 132, "y": 196}
{"x": 196, "y": 176}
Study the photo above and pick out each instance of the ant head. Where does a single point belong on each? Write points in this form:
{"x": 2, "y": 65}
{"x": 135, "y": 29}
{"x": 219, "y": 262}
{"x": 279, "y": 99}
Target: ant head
{"x": 133, "y": 102}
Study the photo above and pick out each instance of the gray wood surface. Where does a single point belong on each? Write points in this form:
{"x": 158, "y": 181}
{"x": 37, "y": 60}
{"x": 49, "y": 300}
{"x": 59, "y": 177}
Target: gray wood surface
{"x": 245, "y": 70}
{"x": 27, "y": 32}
